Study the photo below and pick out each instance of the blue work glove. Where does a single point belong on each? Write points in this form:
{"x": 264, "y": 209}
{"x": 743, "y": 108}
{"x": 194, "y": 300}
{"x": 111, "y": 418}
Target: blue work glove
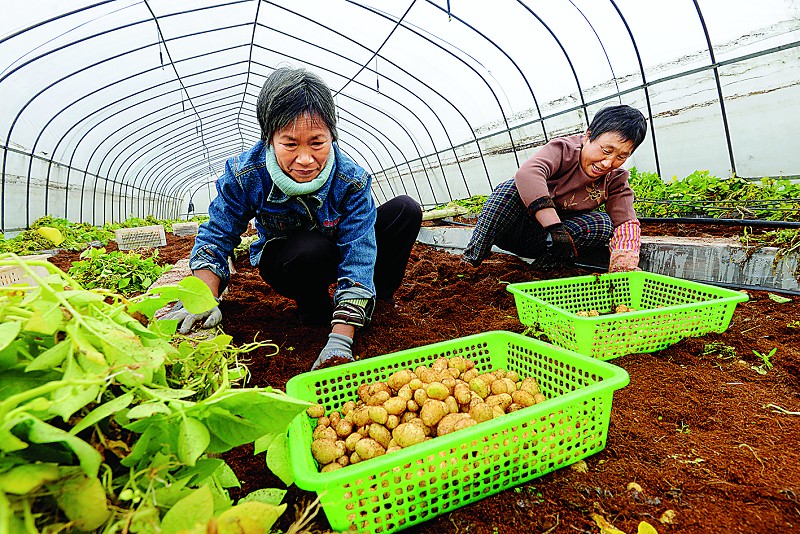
{"x": 338, "y": 348}
{"x": 187, "y": 320}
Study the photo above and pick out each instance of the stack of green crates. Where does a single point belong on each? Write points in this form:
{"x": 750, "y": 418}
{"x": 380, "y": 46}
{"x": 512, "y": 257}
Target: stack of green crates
{"x": 668, "y": 309}
{"x": 406, "y": 487}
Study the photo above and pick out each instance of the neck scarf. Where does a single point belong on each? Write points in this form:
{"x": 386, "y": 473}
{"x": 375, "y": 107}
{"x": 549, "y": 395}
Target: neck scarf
{"x": 289, "y": 185}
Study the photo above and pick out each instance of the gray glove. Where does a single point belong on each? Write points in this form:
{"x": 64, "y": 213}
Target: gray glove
{"x": 338, "y": 348}
{"x": 186, "y": 320}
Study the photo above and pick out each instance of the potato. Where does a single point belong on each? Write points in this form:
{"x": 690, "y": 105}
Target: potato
{"x": 355, "y": 458}
{"x": 361, "y": 416}
{"x": 500, "y": 386}
{"x": 415, "y": 384}
{"x": 479, "y": 386}
{"x": 351, "y": 440}
{"x": 469, "y": 374}
{"x": 392, "y": 421}
{"x": 315, "y": 411}
{"x": 582, "y": 313}
{"x": 538, "y": 397}
{"x": 330, "y": 467}
{"x": 481, "y": 412}
{"x": 393, "y": 448}
{"x": 523, "y": 398}
{"x": 326, "y": 450}
{"x": 621, "y": 308}
{"x": 348, "y": 407}
{"x": 498, "y": 411}
{"x": 344, "y": 461}
{"x": 458, "y": 362}
{"x": 379, "y": 398}
{"x": 432, "y": 412}
{"x": 408, "y": 434}
{"x": 406, "y": 393}
{"x": 420, "y": 396}
{"x": 412, "y": 406}
{"x": 323, "y": 421}
{"x": 530, "y": 385}
{"x": 363, "y": 430}
{"x": 461, "y": 393}
{"x": 379, "y": 434}
{"x": 378, "y": 414}
{"x": 513, "y": 376}
{"x": 395, "y": 406}
{"x": 399, "y": 379}
{"x": 464, "y": 422}
{"x": 324, "y": 432}
{"x": 408, "y": 417}
{"x": 437, "y": 390}
{"x": 594, "y": 313}
{"x": 335, "y": 417}
{"x": 513, "y": 407}
{"x": 502, "y": 400}
{"x": 428, "y": 375}
{"x": 363, "y": 392}
{"x": 455, "y": 373}
{"x": 448, "y": 422}
{"x": 368, "y": 448}
{"x": 440, "y": 364}
{"x": 344, "y": 428}
{"x": 452, "y": 404}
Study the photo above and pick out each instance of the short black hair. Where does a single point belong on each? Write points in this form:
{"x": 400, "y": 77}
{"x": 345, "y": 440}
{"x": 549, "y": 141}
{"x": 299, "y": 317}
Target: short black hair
{"x": 289, "y": 93}
{"x": 628, "y": 122}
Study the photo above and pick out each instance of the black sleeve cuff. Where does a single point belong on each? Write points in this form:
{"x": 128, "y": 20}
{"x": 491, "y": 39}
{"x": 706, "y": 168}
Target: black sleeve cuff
{"x": 539, "y": 204}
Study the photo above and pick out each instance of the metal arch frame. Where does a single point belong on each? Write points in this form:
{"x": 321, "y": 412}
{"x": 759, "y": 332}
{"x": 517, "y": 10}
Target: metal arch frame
{"x": 519, "y": 70}
{"x": 162, "y": 186}
{"x": 86, "y": 117}
{"x": 470, "y": 67}
{"x": 249, "y": 64}
{"x": 566, "y": 56}
{"x": 721, "y": 97}
{"x": 645, "y": 85}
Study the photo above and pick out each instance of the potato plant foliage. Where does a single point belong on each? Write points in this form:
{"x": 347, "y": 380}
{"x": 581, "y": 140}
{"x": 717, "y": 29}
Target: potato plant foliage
{"x": 111, "y": 423}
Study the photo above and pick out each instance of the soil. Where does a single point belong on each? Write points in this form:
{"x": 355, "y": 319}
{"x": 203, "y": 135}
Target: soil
{"x": 711, "y": 442}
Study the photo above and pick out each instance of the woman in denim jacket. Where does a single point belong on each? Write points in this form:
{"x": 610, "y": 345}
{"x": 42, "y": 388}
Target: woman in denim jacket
{"x": 316, "y": 220}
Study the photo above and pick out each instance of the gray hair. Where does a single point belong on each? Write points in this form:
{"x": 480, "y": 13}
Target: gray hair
{"x": 289, "y": 93}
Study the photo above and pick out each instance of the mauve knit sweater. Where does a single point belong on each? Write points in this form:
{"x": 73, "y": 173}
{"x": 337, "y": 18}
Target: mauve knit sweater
{"x": 555, "y": 171}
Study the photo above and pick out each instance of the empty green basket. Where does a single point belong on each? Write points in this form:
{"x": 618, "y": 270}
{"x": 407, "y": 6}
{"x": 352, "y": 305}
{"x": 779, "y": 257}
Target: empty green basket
{"x": 668, "y": 310}
{"x": 406, "y": 487}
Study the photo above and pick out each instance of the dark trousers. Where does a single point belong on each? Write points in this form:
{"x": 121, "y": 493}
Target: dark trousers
{"x": 304, "y": 266}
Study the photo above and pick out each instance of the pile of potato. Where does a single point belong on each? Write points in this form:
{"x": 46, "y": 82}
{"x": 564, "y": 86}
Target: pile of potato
{"x": 620, "y": 308}
{"x": 415, "y": 406}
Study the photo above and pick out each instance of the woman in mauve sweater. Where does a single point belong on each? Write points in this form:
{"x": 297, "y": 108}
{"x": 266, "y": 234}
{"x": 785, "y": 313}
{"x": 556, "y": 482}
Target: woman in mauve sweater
{"x": 548, "y": 210}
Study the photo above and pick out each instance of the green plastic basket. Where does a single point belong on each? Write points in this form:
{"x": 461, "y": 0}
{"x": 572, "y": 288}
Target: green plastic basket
{"x": 668, "y": 310}
{"x": 406, "y": 487}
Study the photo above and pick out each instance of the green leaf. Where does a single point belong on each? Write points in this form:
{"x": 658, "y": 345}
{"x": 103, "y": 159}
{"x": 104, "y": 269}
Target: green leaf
{"x": 50, "y": 358}
{"x": 263, "y": 443}
{"x": 26, "y": 478}
{"x": 196, "y": 508}
{"x": 193, "y": 440}
{"x": 41, "y": 432}
{"x": 250, "y": 516}
{"x": 779, "y": 299}
{"x": 123, "y": 283}
{"x": 83, "y": 500}
{"x": 227, "y": 478}
{"x": 106, "y": 409}
{"x": 148, "y": 409}
{"x": 69, "y": 399}
{"x": 82, "y": 297}
{"x": 278, "y": 460}
{"x": 265, "y": 495}
{"x": 8, "y": 333}
{"x": 47, "y": 318}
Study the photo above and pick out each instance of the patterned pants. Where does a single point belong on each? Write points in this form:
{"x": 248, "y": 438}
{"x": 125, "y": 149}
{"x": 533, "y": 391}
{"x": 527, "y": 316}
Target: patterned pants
{"x": 526, "y": 237}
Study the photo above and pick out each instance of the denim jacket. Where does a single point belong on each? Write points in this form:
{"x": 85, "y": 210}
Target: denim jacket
{"x": 342, "y": 210}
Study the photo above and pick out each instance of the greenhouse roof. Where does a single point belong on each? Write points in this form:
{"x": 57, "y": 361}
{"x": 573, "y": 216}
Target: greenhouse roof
{"x": 123, "y": 107}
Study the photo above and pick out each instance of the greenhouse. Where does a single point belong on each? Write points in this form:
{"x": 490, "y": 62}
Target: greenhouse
{"x": 221, "y": 312}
